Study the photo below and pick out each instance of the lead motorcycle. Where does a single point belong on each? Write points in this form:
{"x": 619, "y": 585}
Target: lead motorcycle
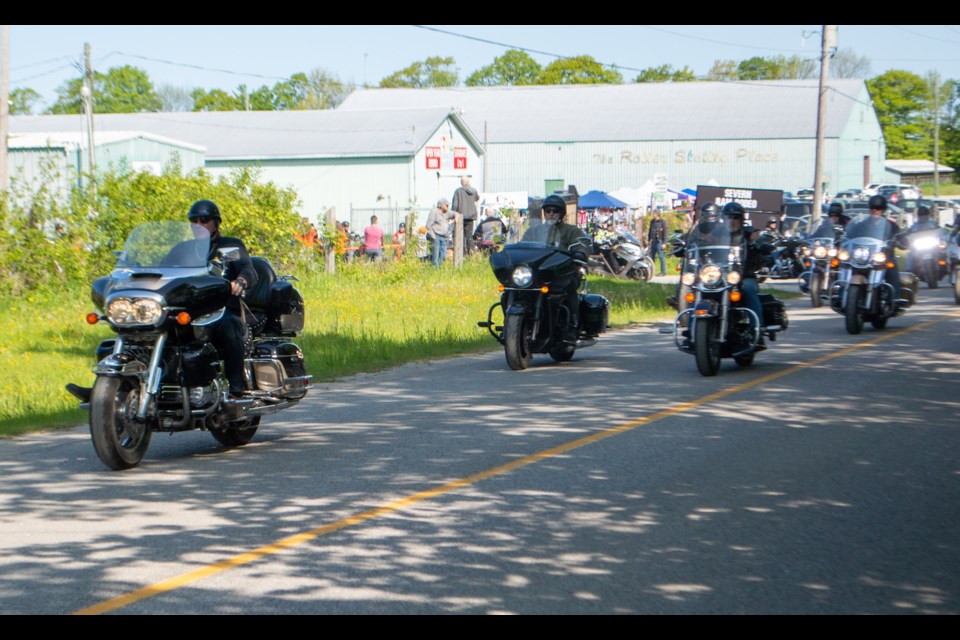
{"x": 161, "y": 373}
{"x": 535, "y": 280}
{"x": 861, "y": 293}
{"x": 717, "y": 323}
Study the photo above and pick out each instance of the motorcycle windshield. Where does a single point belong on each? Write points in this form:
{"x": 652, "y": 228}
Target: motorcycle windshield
{"x": 868, "y": 226}
{"x": 549, "y": 235}
{"x": 825, "y": 231}
{"x": 791, "y": 227}
{"x": 165, "y": 244}
{"x": 712, "y": 243}
{"x": 629, "y": 237}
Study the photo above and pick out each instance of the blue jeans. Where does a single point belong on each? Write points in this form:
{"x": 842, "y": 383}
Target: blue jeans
{"x": 751, "y": 297}
{"x": 656, "y": 249}
{"x": 438, "y": 251}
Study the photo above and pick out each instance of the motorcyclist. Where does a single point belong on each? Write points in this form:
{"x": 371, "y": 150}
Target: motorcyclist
{"x": 924, "y": 223}
{"x": 837, "y": 218}
{"x": 743, "y": 235}
{"x": 490, "y": 229}
{"x": 878, "y": 205}
{"x": 556, "y": 232}
{"x": 227, "y": 334}
{"x": 709, "y": 214}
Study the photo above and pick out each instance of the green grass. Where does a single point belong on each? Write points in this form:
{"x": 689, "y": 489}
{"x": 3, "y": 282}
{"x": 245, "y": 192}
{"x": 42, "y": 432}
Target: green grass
{"x": 365, "y": 317}
{"x": 946, "y": 189}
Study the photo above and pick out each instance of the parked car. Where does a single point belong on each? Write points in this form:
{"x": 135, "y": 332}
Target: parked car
{"x": 805, "y": 195}
{"x": 849, "y": 194}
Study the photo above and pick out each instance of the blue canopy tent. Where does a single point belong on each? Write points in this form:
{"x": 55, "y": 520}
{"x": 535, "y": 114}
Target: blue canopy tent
{"x": 599, "y": 200}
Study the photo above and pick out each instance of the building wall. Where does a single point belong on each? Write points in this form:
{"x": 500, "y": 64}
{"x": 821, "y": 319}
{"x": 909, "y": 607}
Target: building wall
{"x": 31, "y": 169}
{"x": 862, "y": 136}
{"x": 144, "y": 153}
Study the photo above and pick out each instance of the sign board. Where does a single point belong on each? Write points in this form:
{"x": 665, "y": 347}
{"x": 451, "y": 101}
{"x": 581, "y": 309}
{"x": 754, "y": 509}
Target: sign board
{"x": 753, "y": 200}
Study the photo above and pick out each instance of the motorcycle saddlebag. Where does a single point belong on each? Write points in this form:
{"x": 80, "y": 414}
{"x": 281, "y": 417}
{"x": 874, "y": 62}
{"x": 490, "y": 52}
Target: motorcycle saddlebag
{"x": 291, "y": 321}
{"x": 594, "y": 314}
{"x": 774, "y": 311}
{"x": 278, "y": 366}
{"x": 909, "y": 283}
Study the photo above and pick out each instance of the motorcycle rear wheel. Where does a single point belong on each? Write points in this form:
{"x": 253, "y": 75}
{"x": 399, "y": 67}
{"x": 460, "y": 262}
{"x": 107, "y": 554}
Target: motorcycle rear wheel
{"x": 707, "y": 346}
{"x": 816, "y": 288}
{"x": 854, "y": 318}
{"x": 562, "y": 353}
{"x": 237, "y": 436}
{"x": 516, "y": 345}
{"x": 118, "y": 438}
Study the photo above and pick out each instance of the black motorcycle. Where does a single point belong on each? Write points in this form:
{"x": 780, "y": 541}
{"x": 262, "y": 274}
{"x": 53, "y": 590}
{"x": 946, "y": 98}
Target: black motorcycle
{"x": 783, "y": 260}
{"x": 717, "y": 323}
{"x": 621, "y": 256}
{"x": 861, "y": 291}
{"x": 928, "y": 255}
{"x": 536, "y": 279}
{"x": 819, "y": 251}
{"x": 161, "y": 373}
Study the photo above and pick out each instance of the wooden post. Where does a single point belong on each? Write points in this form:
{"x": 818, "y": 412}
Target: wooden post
{"x": 458, "y": 242}
{"x": 330, "y": 246}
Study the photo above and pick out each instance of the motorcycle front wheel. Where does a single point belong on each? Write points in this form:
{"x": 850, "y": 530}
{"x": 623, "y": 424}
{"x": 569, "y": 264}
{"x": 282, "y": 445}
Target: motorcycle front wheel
{"x": 516, "y": 345}
{"x": 931, "y": 275}
{"x": 118, "y": 438}
{"x": 854, "y": 318}
{"x": 707, "y": 346}
{"x": 816, "y": 288}
{"x": 956, "y": 286}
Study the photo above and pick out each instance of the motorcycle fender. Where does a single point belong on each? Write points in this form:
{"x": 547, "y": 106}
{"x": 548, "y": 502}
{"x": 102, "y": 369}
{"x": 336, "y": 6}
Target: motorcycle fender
{"x": 858, "y": 278}
{"x": 515, "y": 310}
{"x": 707, "y": 307}
{"x": 120, "y": 365}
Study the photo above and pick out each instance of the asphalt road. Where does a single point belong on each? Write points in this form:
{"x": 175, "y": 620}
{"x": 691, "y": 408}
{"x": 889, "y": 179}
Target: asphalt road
{"x": 822, "y": 480}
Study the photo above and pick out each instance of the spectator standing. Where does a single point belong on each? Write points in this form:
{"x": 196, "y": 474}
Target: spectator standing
{"x": 373, "y": 240}
{"x": 438, "y": 230}
{"x": 656, "y": 236}
{"x": 400, "y": 238}
{"x": 465, "y": 203}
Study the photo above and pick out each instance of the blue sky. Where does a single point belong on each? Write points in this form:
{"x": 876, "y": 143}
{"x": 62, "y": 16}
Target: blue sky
{"x": 42, "y": 57}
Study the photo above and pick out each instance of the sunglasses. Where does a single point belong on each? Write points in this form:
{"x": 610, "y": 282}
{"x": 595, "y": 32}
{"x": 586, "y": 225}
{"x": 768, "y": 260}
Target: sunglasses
{"x": 552, "y": 210}
{"x": 204, "y": 219}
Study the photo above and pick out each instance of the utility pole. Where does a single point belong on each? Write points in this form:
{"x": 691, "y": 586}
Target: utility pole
{"x": 936, "y": 135}
{"x": 4, "y": 106}
{"x": 88, "y": 106}
{"x": 827, "y": 42}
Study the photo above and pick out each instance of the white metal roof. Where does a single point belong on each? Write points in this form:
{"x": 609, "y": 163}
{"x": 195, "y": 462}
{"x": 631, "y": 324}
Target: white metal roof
{"x": 73, "y": 139}
{"x": 272, "y": 134}
{"x": 639, "y": 111}
{"x": 915, "y": 166}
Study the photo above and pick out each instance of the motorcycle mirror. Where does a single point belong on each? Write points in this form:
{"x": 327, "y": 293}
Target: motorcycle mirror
{"x": 228, "y": 254}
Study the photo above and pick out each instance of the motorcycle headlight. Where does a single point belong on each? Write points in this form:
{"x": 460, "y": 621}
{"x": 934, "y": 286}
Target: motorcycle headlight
{"x": 806, "y": 251}
{"x": 733, "y": 277}
{"x": 133, "y": 311}
{"x": 522, "y": 276}
{"x": 942, "y": 245}
{"x": 925, "y": 243}
{"x": 710, "y": 274}
{"x": 832, "y": 252}
{"x": 861, "y": 254}
{"x": 843, "y": 255}
{"x": 879, "y": 257}
{"x": 820, "y": 252}
{"x": 688, "y": 278}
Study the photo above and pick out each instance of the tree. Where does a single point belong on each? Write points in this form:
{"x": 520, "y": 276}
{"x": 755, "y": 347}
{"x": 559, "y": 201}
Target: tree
{"x": 432, "y": 72}
{"x": 324, "y": 90}
{"x": 513, "y": 68}
{"x": 215, "y": 100}
{"x": 123, "y": 89}
{"x": 900, "y": 99}
{"x": 846, "y": 64}
{"x": 174, "y": 98}
{"x": 776, "y": 68}
{"x": 579, "y": 70}
{"x": 666, "y": 73}
{"x": 723, "y": 70}
{"x": 22, "y": 101}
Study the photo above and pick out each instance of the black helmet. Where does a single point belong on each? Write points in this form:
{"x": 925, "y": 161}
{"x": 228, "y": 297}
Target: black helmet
{"x": 923, "y": 211}
{"x": 733, "y": 210}
{"x": 554, "y": 201}
{"x": 836, "y": 208}
{"x": 203, "y": 208}
{"x": 709, "y": 211}
{"x": 877, "y": 202}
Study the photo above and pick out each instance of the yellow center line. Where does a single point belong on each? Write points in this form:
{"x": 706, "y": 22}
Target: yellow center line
{"x": 301, "y": 538}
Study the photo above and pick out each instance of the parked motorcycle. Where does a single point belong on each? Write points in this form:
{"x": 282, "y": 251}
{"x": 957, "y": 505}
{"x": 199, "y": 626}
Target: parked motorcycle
{"x": 536, "y": 279}
{"x": 819, "y": 251}
{"x": 621, "y": 256}
{"x": 161, "y": 373}
{"x": 860, "y": 292}
{"x": 717, "y": 324}
{"x": 928, "y": 255}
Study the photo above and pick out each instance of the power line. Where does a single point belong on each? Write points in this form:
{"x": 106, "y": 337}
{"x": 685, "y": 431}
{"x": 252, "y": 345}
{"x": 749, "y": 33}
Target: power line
{"x": 926, "y": 36}
{"x": 727, "y": 44}
{"x": 193, "y": 66}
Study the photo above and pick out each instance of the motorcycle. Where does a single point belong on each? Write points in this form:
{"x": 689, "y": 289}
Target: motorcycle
{"x": 928, "y": 255}
{"x": 535, "y": 280}
{"x": 621, "y": 256}
{"x": 785, "y": 263}
{"x": 161, "y": 373}
{"x": 860, "y": 292}
{"x": 717, "y": 323}
{"x": 953, "y": 263}
{"x": 819, "y": 251}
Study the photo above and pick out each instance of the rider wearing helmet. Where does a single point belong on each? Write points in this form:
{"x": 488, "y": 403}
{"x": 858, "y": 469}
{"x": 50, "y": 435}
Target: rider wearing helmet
{"x": 227, "y": 334}
{"x": 924, "y": 223}
{"x": 878, "y": 206}
{"x": 570, "y": 237}
{"x": 744, "y": 235}
{"x": 705, "y": 222}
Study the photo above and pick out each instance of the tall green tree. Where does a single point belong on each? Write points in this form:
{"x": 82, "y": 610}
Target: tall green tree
{"x": 216, "y": 100}
{"x": 666, "y": 73}
{"x": 432, "y": 72}
{"x": 900, "y": 99}
{"x": 324, "y": 90}
{"x": 23, "y": 100}
{"x": 123, "y": 89}
{"x": 579, "y": 70}
{"x": 723, "y": 70}
{"x": 513, "y": 68}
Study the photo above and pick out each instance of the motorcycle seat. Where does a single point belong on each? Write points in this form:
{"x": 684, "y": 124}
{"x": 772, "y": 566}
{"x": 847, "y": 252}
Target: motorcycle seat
{"x": 258, "y": 296}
